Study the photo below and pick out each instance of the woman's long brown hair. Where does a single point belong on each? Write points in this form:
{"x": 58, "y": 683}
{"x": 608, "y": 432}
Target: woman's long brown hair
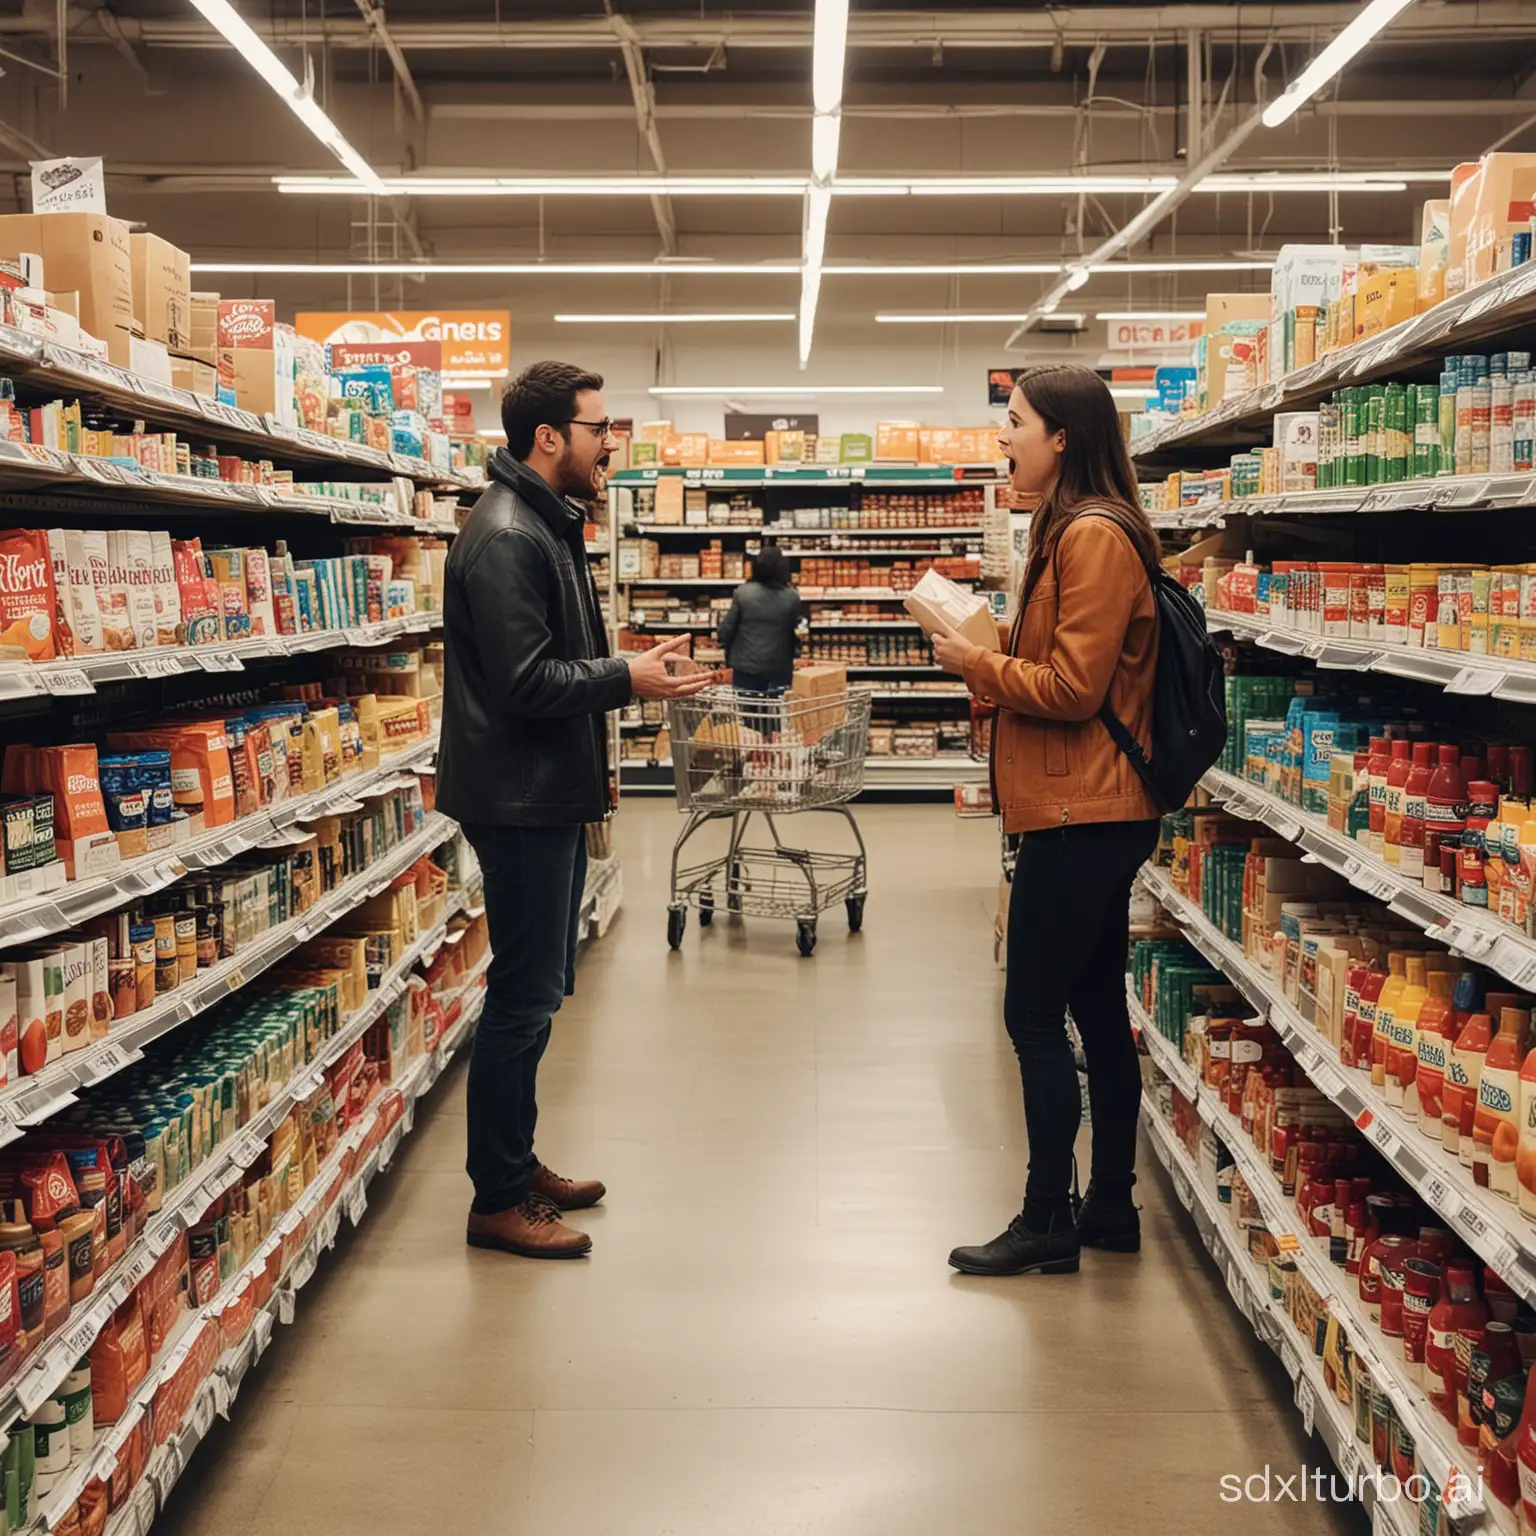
{"x": 1095, "y": 473}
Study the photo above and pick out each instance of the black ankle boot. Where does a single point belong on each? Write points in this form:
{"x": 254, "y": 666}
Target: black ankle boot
{"x": 1021, "y": 1251}
{"x": 1109, "y": 1221}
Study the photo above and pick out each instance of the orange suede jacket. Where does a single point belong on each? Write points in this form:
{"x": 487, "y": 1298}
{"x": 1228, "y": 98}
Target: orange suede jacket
{"x": 1087, "y": 633}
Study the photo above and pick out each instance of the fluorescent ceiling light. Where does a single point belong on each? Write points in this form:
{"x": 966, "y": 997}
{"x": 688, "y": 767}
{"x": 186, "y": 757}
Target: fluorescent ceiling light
{"x": 722, "y": 318}
{"x": 1077, "y": 277}
{"x": 552, "y": 186}
{"x": 826, "y": 132}
{"x": 1150, "y": 314}
{"x": 829, "y": 49}
{"x": 238, "y": 34}
{"x": 962, "y": 317}
{"x": 757, "y": 392}
{"x": 818, "y": 204}
{"x": 1186, "y": 266}
{"x": 498, "y": 268}
{"x": 1038, "y": 269}
{"x": 1371, "y": 19}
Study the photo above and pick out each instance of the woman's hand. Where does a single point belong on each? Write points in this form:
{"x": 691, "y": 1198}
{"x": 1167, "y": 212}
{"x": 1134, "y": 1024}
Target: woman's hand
{"x": 950, "y": 650}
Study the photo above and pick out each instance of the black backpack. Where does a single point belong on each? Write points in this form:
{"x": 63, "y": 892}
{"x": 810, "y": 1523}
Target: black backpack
{"x": 1189, "y": 699}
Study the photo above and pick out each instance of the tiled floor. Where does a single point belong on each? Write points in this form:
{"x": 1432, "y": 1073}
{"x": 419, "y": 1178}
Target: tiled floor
{"x": 767, "y": 1339}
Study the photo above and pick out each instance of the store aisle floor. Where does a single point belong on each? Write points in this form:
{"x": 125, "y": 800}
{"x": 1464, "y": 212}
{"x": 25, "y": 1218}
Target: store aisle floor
{"x": 767, "y": 1339}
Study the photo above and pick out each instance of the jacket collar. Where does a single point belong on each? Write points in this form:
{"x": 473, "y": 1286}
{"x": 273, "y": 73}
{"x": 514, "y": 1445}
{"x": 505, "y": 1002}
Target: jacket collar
{"x": 535, "y": 490}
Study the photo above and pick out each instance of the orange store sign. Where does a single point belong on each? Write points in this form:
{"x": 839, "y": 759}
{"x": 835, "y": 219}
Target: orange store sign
{"x": 474, "y": 341}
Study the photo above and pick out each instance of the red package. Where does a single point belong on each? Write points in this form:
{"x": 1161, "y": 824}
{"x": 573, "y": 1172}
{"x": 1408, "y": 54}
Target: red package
{"x": 199, "y": 592}
{"x": 28, "y": 596}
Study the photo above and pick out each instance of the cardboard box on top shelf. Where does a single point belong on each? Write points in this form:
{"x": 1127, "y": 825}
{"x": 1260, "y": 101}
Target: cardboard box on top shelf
{"x": 150, "y": 360}
{"x": 1299, "y": 287}
{"x": 248, "y": 353}
{"x": 687, "y": 449}
{"x": 1503, "y": 205}
{"x": 199, "y": 377}
{"x": 1386, "y": 288}
{"x": 653, "y": 431}
{"x": 1222, "y": 307}
{"x": 90, "y": 253}
{"x": 1466, "y": 180}
{"x": 204, "y": 345}
{"x": 162, "y": 290}
{"x": 784, "y": 448}
{"x": 856, "y": 448}
{"x": 741, "y": 455}
{"x": 1434, "y": 252}
{"x": 667, "y": 509}
{"x": 896, "y": 441}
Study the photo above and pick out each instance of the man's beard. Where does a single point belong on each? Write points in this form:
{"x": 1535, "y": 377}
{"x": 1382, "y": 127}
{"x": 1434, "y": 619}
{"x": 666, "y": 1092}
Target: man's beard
{"x": 574, "y": 484}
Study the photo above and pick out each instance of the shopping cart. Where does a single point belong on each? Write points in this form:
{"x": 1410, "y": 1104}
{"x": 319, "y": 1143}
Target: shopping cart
{"x": 740, "y": 755}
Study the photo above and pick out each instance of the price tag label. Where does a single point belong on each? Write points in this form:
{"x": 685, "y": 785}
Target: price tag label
{"x": 236, "y": 979}
{"x": 303, "y": 1269}
{"x": 1291, "y": 1359}
{"x": 168, "y": 1469}
{"x": 1437, "y": 1194}
{"x": 1349, "y": 1464}
{"x": 285, "y": 1305}
{"x": 1307, "y": 1402}
{"x": 143, "y": 1505}
{"x": 155, "y": 666}
{"x": 203, "y": 1412}
{"x": 223, "y": 1394}
{"x": 77, "y": 1341}
{"x": 219, "y": 661}
{"x": 1474, "y": 1224}
{"x": 138, "y": 1268}
{"x": 247, "y": 1147}
{"x": 68, "y": 682}
{"x": 33, "y": 1390}
{"x": 357, "y": 1202}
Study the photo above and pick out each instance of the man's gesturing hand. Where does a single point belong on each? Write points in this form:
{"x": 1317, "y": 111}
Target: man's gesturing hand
{"x": 649, "y": 678}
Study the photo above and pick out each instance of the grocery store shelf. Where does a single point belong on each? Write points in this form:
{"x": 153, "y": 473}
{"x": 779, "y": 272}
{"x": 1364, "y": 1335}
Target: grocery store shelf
{"x": 28, "y": 919}
{"x": 679, "y": 581}
{"x": 1471, "y": 932}
{"x": 929, "y": 476}
{"x": 956, "y": 531}
{"x": 1442, "y": 493}
{"x": 906, "y": 551}
{"x": 652, "y": 530}
{"x": 864, "y": 624}
{"x": 32, "y": 1099}
{"x": 1434, "y": 1438}
{"x": 917, "y": 695}
{"x": 1248, "y": 1285}
{"x": 182, "y": 1207}
{"x": 1491, "y": 1226}
{"x": 83, "y": 674}
{"x": 1162, "y": 1050}
{"x": 38, "y": 365}
{"x": 921, "y": 772}
{"x": 1503, "y": 303}
{"x": 855, "y": 667}
{"x": 318, "y": 1212}
{"x": 1454, "y": 671}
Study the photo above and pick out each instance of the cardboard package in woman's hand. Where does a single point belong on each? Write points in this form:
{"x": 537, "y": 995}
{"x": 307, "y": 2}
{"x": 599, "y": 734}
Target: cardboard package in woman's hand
{"x": 938, "y": 603}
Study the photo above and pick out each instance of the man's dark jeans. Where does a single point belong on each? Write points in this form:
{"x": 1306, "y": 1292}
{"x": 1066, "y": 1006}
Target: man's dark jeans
{"x": 533, "y": 885}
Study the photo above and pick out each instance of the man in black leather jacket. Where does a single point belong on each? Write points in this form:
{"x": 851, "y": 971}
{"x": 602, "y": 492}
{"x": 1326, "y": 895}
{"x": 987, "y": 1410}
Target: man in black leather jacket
{"x": 523, "y": 767}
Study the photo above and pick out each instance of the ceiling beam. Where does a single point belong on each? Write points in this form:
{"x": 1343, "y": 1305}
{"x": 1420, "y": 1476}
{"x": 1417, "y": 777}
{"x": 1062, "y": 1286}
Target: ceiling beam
{"x": 644, "y": 94}
{"x": 373, "y": 19}
{"x": 1080, "y": 26}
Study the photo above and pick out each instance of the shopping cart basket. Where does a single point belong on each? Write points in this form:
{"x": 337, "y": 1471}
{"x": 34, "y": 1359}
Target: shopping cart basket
{"x": 738, "y": 755}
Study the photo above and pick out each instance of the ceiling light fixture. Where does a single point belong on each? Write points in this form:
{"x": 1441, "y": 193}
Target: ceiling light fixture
{"x": 552, "y": 186}
{"x": 237, "y": 33}
{"x": 723, "y": 317}
{"x": 829, "y": 56}
{"x": 758, "y": 392}
{"x": 962, "y": 317}
{"x": 498, "y": 268}
{"x": 1371, "y": 20}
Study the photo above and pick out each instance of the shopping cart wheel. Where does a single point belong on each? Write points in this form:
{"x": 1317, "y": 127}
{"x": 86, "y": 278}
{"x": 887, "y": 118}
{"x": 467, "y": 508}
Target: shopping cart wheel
{"x": 855, "y": 905}
{"x": 706, "y": 908}
{"x": 805, "y": 936}
{"x": 677, "y": 921}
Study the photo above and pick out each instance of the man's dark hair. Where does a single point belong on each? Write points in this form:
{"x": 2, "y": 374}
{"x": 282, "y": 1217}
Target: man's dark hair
{"x": 542, "y": 395}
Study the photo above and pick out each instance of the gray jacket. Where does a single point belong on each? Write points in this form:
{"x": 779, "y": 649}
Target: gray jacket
{"x": 759, "y": 631}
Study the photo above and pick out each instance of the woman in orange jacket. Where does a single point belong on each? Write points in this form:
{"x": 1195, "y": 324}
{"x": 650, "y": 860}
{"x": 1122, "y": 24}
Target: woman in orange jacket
{"x": 1085, "y": 636}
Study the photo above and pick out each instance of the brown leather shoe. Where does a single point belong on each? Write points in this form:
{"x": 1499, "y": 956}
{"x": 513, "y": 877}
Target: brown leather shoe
{"x": 532, "y": 1230}
{"x": 566, "y": 1194}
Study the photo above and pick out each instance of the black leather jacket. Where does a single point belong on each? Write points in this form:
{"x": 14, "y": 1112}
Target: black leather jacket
{"x": 527, "y": 675}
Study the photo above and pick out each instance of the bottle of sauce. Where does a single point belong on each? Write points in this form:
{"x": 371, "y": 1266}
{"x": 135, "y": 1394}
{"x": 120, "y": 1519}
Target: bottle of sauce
{"x": 1525, "y": 1458}
{"x": 1520, "y": 773}
{"x": 1459, "y": 1308}
{"x": 1397, "y": 801}
{"x": 1403, "y": 1041}
{"x": 1461, "y": 1085}
{"x": 1472, "y": 857}
{"x": 1496, "y": 1360}
{"x": 1415, "y": 805}
{"x": 1496, "y": 759}
{"x": 1436, "y": 1040}
{"x": 1525, "y": 878}
{"x": 1495, "y": 1125}
{"x": 1445, "y": 816}
{"x": 1525, "y": 1158}
{"x": 1377, "y": 764}
{"x": 1384, "y": 1248}
{"x": 1365, "y": 1018}
{"x": 1499, "y": 1447}
{"x": 1386, "y": 1010}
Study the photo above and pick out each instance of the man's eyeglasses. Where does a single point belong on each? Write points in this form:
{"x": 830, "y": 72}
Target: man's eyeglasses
{"x": 603, "y": 428}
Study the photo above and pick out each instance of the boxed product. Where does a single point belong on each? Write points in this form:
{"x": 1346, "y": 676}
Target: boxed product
{"x": 1503, "y": 200}
{"x": 247, "y": 354}
{"x": 1299, "y": 288}
{"x": 199, "y": 377}
{"x": 1434, "y": 252}
{"x": 1386, "y": 289}
{"x": 87, "y": 253}
{"x": 205, "y": 329}
{"x": 822, "y": 679}
{"x": 162, "y": 290}
{"x": 894, "y": 440}
{"x": 28, "y": 596}
{"x": 937, "y": 602}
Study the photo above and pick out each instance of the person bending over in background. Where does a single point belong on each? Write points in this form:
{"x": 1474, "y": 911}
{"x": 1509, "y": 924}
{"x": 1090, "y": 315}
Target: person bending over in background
{"x": 523, "y": 766}
{"x": 1086, "y": 635}
{"x": 759, "y": 632}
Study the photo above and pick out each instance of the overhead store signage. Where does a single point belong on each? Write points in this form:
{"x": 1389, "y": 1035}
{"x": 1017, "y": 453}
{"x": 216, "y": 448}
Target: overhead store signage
{"x": 69, "y": 186}
{"x": 474, "y": 341}
{"x": 743, "y": 426}
{"x": 1152, "y": 335}
{"x": 392, "y": 354}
